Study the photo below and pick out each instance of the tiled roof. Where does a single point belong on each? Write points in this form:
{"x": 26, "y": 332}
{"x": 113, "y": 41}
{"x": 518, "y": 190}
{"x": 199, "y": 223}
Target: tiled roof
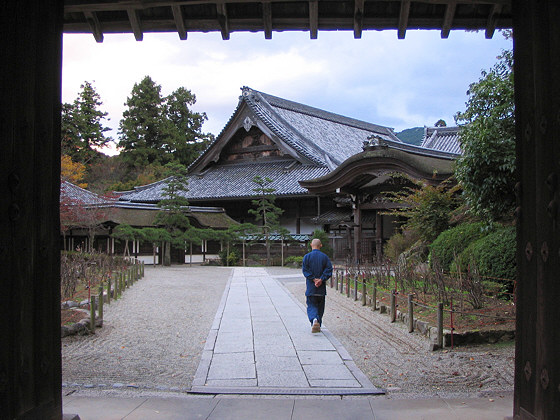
{"x": 444, "y": 139}
{"x": 321, "y": 135}
{"x": 334, "y": 217}
{"x": 299, "y": 237}
{"x": 236, "y": 180}
{"x": 75, "y": 194}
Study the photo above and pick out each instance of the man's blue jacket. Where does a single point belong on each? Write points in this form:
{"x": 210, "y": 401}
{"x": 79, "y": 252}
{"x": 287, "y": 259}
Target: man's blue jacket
{"x": 316, "y": 265}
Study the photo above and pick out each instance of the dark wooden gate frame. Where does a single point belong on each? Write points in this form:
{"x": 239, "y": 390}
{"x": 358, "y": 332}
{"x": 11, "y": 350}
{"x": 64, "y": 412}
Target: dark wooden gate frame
{"x": 30, "y": 57}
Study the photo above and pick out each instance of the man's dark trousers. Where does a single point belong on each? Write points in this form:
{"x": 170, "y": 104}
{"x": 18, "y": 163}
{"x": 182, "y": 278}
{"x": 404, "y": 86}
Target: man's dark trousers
{"x": 315, "y": 308}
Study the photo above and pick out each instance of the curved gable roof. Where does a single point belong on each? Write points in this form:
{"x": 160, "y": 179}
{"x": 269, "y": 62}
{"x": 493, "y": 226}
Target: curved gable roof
{"x": 317, "y": 137}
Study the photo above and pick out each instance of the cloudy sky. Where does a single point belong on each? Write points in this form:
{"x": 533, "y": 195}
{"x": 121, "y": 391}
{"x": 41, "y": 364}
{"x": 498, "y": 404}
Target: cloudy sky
{"x": 379, "y": 78}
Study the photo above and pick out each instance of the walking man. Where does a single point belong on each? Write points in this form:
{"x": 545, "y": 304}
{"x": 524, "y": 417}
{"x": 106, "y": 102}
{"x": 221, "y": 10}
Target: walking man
{"x": 317, "y": 269}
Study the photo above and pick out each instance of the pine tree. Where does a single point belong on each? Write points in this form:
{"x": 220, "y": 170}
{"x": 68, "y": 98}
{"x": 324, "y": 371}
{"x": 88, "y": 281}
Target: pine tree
{"x": 83, "y": 132}
{"x": 188, "y": 140}
{"x": 173, "y": 216}
{"x": 141, "y": 129}
{"x": 156, "y": 130}
{"x": 266, "y": 212}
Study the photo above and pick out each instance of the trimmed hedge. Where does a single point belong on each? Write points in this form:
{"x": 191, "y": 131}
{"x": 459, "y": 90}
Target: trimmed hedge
{"x": 296, "y": 261}
{"x": 453, "y": 241}
{"x": 494, "y": 254}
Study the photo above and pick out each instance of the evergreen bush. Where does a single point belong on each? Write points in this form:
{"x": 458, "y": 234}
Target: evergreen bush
{"x": 295, "y": 261}
{"x": 453, "y": 241}
{"x": 494, "y": 256}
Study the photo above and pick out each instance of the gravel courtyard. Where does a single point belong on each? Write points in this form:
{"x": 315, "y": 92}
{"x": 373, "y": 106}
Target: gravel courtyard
{"x": 152, "y": 339}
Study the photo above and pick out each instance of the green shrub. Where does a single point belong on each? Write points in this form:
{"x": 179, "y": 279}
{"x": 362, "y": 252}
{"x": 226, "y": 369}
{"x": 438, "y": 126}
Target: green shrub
{"x": 399, "y": 243}
{"x": 453, "y": 241}
{"x": 494, "y": 256}
{"x": 296, "y": 261}
{"x": 229, "y": 259}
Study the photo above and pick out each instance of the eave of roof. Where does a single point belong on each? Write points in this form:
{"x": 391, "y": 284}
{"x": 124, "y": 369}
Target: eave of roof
{"x": 235, "y": 181}
{"x": 182, "y": 16}
{"x": 431, "y": 168}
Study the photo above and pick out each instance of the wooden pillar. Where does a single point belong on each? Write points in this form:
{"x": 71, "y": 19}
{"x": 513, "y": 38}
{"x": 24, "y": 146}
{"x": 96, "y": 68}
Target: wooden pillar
{"x": 378, "y": 235}
{"x": 30, "y": 74}
{"x": 537, "y": 102}
{"x": 357, "y": 229}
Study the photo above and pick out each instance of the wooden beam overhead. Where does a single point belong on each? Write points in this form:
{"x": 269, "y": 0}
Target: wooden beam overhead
{"x": 134, "y": 20}
{"x": 403, "y": 18}
{"x": 448, "y": 20}
{"x": 95, "y": 26}
{"x": 492, "y": 21}
{"x": 73, "y": 6}
{"x": 267, "y": 20}
{"x": 223, "y": 20}
{"x": 313, "y": 19}
{"x": 358, "y": 18}
{"x": 179, "y": 21}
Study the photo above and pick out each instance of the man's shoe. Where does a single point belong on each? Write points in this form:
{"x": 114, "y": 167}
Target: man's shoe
{"x": 316, "y": 327}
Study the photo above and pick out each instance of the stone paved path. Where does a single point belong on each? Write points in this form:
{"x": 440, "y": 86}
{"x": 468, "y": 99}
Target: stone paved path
{"x": 261, "y": 343}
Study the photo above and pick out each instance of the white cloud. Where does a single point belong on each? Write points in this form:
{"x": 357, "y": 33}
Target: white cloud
{"x": 380, "y": 79}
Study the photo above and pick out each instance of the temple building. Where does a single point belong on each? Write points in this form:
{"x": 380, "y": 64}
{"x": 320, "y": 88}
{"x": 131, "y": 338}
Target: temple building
{"x": 303, "y": 150}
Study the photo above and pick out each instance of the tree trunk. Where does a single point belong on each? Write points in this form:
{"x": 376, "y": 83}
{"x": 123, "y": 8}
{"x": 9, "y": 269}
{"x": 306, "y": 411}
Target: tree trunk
{"x": 126, "y": 251}
{"x": 167, "y": 254}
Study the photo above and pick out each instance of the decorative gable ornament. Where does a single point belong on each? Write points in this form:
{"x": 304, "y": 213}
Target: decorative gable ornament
{"x": 374, "y": 141}
{"x": 248, "y": 123}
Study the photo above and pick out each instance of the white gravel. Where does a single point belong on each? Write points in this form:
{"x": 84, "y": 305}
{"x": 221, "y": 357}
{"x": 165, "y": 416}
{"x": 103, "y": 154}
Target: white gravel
{"x": 153, "y": 337}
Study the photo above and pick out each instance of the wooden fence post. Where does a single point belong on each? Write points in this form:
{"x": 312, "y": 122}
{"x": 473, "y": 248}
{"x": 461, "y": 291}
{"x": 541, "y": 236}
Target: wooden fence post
{"x": 109, "y": 289}
{"x": 374, "y": 297}
{"x": 440, "y": 325}
{"x": 336, "y": 281}
{"x": 92, "y": 314}
{"x": 364, "y": 291}
{"x": 393, "y": 306}
{"x": 347, "y": 285}
{"x": 101, "y": 301}
{"x": 356, "y": 288}
{"x": 410, "y": 313}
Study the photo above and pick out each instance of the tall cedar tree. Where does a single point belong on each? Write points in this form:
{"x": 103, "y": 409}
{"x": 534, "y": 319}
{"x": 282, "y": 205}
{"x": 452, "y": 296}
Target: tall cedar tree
{"x": 486, "y": 170}
{"x": 83, "y": 132}
{"x": 156, "y": 130}
{"x": 188, "y": 140}
{"x": 173, "y": 216}
{"x": 265, "y": 211}
{"x": 141, "y": 130}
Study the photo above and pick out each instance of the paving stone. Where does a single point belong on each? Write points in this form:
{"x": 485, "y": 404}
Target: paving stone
{"x": 355, "y": 409}
{"x": 270, "y": 363}
{"x": 334, "y": 383}
{"x": 257, "y": 409}
{"x": 314, "y": 372}
{"x": 231, "y": 383}
{"x": 234, "y": 342}
{"x": 327, "y": 357}
{"x": 282, "y": 379}
{"x": 232, "y": 366}
{"x": 275, "y": 348}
